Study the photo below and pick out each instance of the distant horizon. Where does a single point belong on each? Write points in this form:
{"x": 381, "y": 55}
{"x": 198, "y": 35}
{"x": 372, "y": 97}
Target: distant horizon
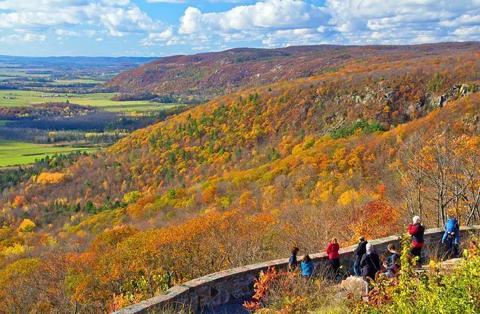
{"x": 229, "y": 49}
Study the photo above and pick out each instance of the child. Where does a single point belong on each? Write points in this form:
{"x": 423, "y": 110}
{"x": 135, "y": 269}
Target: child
{"x": 307, "y": 267}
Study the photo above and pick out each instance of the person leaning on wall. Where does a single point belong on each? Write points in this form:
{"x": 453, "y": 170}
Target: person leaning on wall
{"x": 416, "y": 231}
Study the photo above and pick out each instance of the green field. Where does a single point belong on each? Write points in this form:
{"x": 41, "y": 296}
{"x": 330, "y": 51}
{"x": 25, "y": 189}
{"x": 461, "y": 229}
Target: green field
{"x": 13, "y": 73}
{"x": 19, "y": 153}
{"x": 21, "y": 98}
{"x": 78, "y": 81}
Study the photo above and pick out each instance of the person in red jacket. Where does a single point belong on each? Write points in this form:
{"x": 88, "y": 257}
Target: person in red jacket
{"x": 416, "y": 231}
{"x": 333, "y": 256}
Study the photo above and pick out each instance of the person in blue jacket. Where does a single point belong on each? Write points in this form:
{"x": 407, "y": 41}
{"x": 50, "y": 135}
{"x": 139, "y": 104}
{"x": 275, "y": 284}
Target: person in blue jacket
{"x": 307, "y": 267}
{"x": 292, "y": 261}
{"x": 451, "y": 237}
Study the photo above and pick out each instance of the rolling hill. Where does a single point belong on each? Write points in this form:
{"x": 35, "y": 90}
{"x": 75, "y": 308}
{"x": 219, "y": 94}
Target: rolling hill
{"x": 206, "y": 75}
{"x": 247, "y": 129}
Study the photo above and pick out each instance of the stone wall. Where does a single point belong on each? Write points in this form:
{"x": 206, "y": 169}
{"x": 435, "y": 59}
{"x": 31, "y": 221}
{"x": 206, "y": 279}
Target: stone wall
{"x": 237, "y": 284}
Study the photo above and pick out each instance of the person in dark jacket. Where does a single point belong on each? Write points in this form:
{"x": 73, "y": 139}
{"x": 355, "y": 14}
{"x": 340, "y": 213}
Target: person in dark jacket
{"x": 307, "y": 267}
{"x": 392, "y": 264}
{"x": 333, "y": 256}
{"x": 292, "y": 261}
{"x": 417, "y": 231}
{"x": 451, "y": 237}
{"x": 370, "y": 263}
{"x": 358, "y": 253}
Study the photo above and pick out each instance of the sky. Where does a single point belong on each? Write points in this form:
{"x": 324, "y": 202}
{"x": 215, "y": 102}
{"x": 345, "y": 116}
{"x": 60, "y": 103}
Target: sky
{"x": 168, "y": 27}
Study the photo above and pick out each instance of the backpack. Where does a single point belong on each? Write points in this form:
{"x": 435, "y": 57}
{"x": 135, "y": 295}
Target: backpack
{"x": 451, "y": 225}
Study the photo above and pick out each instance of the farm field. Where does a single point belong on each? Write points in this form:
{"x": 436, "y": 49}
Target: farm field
{"x": 22, "y": 98}
{"x": 22, "y": 73}
{"x": 13, "y": 153}
{"x": 35, "y": 132}
{"x": 78, "y": 81}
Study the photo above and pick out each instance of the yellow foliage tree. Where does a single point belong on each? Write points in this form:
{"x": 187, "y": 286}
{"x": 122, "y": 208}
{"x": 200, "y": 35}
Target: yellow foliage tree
{"x": 26, "y": 225}
{"x": 16, "y": 249}
{"x": 50, "y": 178}
{"x": 348, "y": 197}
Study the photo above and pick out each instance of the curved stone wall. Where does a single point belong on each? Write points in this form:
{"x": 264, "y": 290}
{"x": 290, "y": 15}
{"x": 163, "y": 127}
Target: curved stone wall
{"x": 237, "y": 283}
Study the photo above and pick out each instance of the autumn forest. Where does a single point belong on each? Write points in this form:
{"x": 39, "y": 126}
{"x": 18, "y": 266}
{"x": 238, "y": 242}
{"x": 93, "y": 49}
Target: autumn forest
{"x": 370, "y": 137}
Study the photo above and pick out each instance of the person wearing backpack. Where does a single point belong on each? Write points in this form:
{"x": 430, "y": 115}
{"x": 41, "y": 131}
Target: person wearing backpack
{"x": 417, "y": 231}
{"x": 358, "y": 253}
{"x": 370, "y": 263}
{"x": 451, "y": 237}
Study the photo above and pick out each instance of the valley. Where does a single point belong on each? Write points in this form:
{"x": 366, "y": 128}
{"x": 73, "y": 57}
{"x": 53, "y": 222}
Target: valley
{"x": 56, "y": 105}
{"x": 239, "y": 156}
{"x": 211, "y": 174}
{"x": 102, "y": 101}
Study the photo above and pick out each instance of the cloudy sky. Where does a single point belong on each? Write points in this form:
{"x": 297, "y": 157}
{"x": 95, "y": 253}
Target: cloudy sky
{"x": 166, "y": 27}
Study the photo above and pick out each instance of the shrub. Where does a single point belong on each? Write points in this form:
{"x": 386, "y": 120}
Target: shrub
{"x": 131, "y": 197}
{"x": 288, "y": 292}
{"x": 364, "y": 126}
{"x": 26, "y": 226}
{"x": 437, "y": 291}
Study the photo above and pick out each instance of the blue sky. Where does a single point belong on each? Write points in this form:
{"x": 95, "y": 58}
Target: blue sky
{"x": 166, "y": 27}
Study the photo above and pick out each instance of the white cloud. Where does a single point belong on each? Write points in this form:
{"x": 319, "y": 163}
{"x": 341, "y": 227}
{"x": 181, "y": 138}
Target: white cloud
{"x": 66, "y": 33}
{"x": 405, "y": 21}
{"x": 263, "y": 15}
{"x": 291, "y": 37}
{"x": 277, "y": 23}
{"x": 22, "y": 38}
{"x": 191, "y": 21}
{"x": 468, "y": 32}
{"x": 465, "y": 19}
{"x": 271, "y": 23}
{"x": 117, "y": 17}
{"x": 166, "y": 37}
{"x": 121, "y": 20}
{"x": 166, "y": 1}
{"x": 192, "y": 1}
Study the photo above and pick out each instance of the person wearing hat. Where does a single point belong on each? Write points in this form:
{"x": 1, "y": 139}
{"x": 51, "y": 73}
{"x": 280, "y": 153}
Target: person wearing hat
{"x": 417, "y": 231}
{"x": 370, "y": 262}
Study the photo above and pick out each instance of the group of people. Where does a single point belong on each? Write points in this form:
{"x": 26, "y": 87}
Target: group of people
{"x": 367, "y": 262}
{"x": 450, "y": 238}
{"x": 306, "y": 265}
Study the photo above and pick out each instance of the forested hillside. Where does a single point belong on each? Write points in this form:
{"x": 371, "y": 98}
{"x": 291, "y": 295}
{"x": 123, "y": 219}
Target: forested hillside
{"x": 241, "y": 178}
{"x": 205, "y": 75}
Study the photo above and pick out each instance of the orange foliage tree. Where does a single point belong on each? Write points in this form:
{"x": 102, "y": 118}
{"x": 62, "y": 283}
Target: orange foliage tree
{"x": 376, "y": 219}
